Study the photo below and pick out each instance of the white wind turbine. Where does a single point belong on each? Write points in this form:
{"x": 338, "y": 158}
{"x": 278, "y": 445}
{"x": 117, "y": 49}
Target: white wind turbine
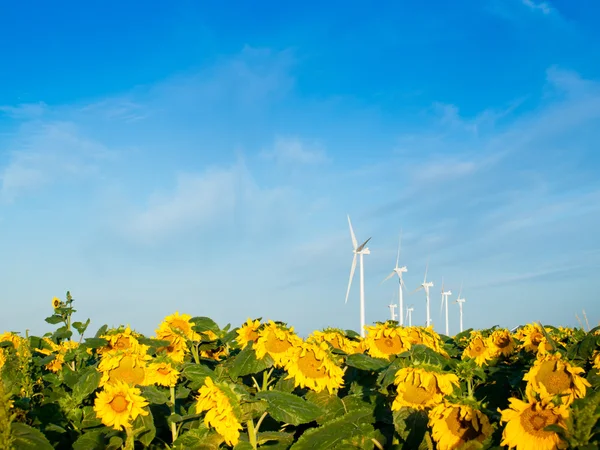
{"x": 409, "y": 315}
{"x": 445, "y": 295}
{"x": 426, "y": 285}
{"x": 392, "y": 307}
{"x": 399, "y": 271}
{"x": 358, "y": 250}
{"x": 460, "y": 302}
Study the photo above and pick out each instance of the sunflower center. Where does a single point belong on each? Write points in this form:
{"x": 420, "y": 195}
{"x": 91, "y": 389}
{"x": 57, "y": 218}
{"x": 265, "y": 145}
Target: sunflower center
{"x": 389, "y": 345}
{"x": 274, "y": 345}
{"x": 536, "y": 338}
{"x": 415, "y": 337}
{"x": 555, "y": 381}
{"x": 462, "y": 429}
{"x": 418, "y": 395}
{"x": 478, "y": 347}
{"x": 251, "y": 335}
{"x": 122, "y": 343}
{"x": 180, "y": 324}
{"x": 119, "y": 403}
{"x": 502, "y": 341}
{"x": 311, "y": 366}
{"x": 534, "y": 422}
{"x": 164, "y": 370}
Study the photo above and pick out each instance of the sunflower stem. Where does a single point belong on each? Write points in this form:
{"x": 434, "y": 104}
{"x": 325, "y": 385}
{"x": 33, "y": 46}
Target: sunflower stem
{"x": 266, "y": 376}
{"x": 173, "y": 424}
{"x": 252, "y": 434}
{"x": 260, "y": 422}
{"x": 470, "y": 387}
{"x": 195, "y": 353}
{"x": 130, "y": 442}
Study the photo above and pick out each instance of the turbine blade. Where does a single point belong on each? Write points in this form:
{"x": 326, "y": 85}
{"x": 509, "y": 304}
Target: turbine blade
{"x": 442, "y": 305}
{"x": 351, "y": 276}
{"x": 388, "y": 277}
{"x": 460, "y": 292}
{"x": 426, "y": 269}
{"x": 442, "y": 284}
{"x": 417, "y": 289}
{"x": 399, "y": 244}
{"x": 363, "y": 245}
{"x": 354, "y": 243}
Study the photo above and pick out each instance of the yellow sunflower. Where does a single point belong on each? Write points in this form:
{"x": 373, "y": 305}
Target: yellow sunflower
{"x": 118, "y": 405}
{"x": 313, "y": 366}
{"x": 14, "y": 338}
{"x": 277, "y": 341}
{"x": 2, "y": 358}
{"x": 177, "y": 325}
{"x": 125, "y": 340}
{"x": 477, "y": 349}
{"x": 59, "y": 350}
{"x": 248, "y": 332}
{"x": 127, "y": 367}
{"x": 162, "y": 373}
{"x": 56, "y": 303}
{"x": 176, "y": 350}
{"x": 337, "y": 339}
{"x": 218, "y": 353}
{"x": 384, "y": 340}
{"x": 531, "y": 335}
{"x": 525, "y": 423}
{"x": 500, "y": 343}
{"x": 425, "y": 336}
{"x": 551, "y": 375}
{"x": 420, "y": 388}
{"x": 453, "y": 425}
{"x": 220, "y": 411}
{"x": 596, "y": 360}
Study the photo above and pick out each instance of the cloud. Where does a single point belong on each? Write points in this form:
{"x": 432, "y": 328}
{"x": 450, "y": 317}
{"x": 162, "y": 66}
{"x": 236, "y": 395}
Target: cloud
{"x": 542, "y": 7}
{"x": 49, "y": 152}
{"x": 293, "y": 151}
{"x": 24, "y": 110}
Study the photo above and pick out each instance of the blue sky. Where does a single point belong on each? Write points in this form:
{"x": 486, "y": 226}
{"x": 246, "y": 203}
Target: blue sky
{"x": 203, "y": 159}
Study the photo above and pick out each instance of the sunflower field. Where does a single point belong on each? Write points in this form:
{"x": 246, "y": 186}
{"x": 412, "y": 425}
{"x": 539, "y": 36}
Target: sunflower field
{"x": 195, "y": 385}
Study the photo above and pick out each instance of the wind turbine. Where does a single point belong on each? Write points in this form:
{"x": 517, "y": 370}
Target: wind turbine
{"x": 445, "y": 295}
{"x": 426, "y": 285}
{"x": 399, "y": 271}
{"x": 460, "y": 302}
{"x": 409, "y": 315}
{"x": 358, "y": 250}
{"x": 392, "y": 307}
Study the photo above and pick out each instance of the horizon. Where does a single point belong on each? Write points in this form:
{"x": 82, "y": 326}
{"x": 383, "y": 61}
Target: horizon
{"x": 203, "y": 159}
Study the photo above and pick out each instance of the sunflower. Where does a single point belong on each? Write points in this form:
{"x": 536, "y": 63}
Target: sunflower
{"x": 56, "y": 303}
{"x": 477, "y": 349}
{"x": 551, "y": 375}
{"x": 247, "y": 332}
{"x": 421, "y": 388}
{"x": 500, "y": 343}
{"x": 596, "y": 360}
{"x": 59, "y": 350}
{"x": 11, "y": 337}
{"x": 162, "y": 373}
{"x": 221, "y": 410}
{"x": 337, "y": 339}
{"x": 453, "y": 425}
{"x": 313, "y": 366}
{"x": 176, "y": 350}
{"x": 177, "y": 325}
{"x": 424, "y": 336}
{"x": 384, "y": 340}
{"x": 127, "y": 367}
{"x": 118, "y": 405}
{"x": 217, "y": 353}
{"x": 125, "y": 340}
{"x": 531, "y": 335}
{"x": 525, "y": 423}
{"x": 277, "y": 341}
{"x": 2, "y": 358}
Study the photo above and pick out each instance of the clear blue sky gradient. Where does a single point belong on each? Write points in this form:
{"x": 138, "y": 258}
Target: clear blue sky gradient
{"x": 158, "y": 157}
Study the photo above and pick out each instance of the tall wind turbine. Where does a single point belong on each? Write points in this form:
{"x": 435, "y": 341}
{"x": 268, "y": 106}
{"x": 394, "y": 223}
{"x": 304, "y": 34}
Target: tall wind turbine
{"x": 460, "y": 302}
{"x": 409, "y": 315}
{"x": 426, "y": 285}
{"x": 399, "y": 271}
{"x": 445, "y": 295}
{"x": 358, "y": 250}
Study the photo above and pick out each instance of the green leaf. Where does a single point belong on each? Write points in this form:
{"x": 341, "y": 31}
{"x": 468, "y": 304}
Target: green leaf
{"x": 204, "y": 324}
{"x": 91, "y": 440}
{"x": 365, "y": 362}
{"x": 101, "y": 331}
{"x": 144, "y": 429}
{"x": 289, "y": 408}
{"x": 90, "y": 419}
{"x": 333, "y": 433}
{"x": 284, "y": 439}
{"x": 28, "y": 438}
{"x": 198, "y": 439}
{"x": 331, "y": 405}
{"x": 53, "y": 320}
{"x": 197, "y": 372}
{"x": 246, "y": 363}
{"x": 87, "y": 383}
{"x": 115, "y": 442}
{"x": 243, "y": 445}
{"x": 81, "y": 327}
{"x": 155, "y": 395}
{"x": 95, "y": 342}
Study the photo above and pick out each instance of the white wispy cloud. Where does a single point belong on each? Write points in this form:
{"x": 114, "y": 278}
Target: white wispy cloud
{"x": 24, "y": 110}
{"x": 543, "y": 7}
{"x": 292, "y": 150}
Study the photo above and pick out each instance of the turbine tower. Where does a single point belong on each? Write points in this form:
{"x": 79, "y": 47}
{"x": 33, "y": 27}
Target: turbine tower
{"x": 460, "y": 302}
{"x": 358, "y": 251}
{"x": 399, "y": 271}
{"x": 392, "y": 307}
{"x": 409, "y": 315}
{"x": 445, "y": 295}
{"x": 426, "y": 285}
